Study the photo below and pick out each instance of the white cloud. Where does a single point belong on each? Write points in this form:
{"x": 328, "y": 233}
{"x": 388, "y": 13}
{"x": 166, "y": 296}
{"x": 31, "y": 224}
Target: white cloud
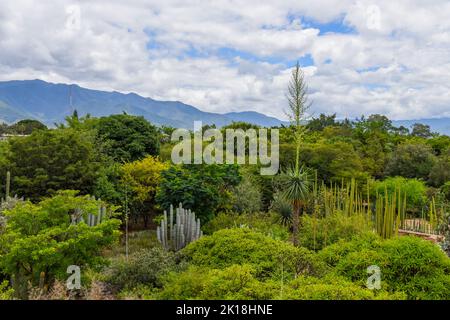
{"x": 395, "y": 62}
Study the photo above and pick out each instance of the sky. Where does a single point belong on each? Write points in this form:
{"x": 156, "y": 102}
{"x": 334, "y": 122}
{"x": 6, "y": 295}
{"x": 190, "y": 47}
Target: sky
{"x": 359, "y": 57}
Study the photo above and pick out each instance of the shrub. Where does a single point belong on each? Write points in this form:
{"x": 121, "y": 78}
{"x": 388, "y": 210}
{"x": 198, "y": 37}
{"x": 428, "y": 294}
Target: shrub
{"x": 334, "y": 288}
{"x": 317, "y": 233}
{"x": 6, "y": 292}
{"x": 236, "y": 282}
{"x": 243, "y": 245}
{"x": 408, "y": 264}
{"x": 41, "y": 238}
{"x": 415, "y": 190}
{"x": 144, "y": 267}
{"x": 446, "y": 190}
{"x": 247, "y": 196}
{"x": 331, "y": 255}
{"x": 262, "y": 222}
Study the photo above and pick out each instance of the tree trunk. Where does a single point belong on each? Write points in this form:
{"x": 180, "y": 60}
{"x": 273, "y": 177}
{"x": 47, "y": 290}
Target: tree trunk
{"x": 295, "y": 222}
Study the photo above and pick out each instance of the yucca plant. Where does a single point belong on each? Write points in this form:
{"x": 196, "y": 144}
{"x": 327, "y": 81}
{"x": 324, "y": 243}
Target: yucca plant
{"x": 296, "y": 186}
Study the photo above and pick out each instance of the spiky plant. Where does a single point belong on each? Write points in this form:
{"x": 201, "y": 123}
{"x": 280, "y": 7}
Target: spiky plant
{"x": 283, "y": 208}
{"x": 296, "y": 186}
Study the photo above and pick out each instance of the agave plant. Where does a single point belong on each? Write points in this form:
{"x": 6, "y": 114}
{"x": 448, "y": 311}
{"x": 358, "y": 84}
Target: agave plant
{"x": 283, "y": 208}
{"x": 296, "y": 186}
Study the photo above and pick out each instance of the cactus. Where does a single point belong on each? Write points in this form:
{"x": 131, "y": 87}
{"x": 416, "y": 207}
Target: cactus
{"x": 185, "y": 230}
{"x": 92, "y": 219}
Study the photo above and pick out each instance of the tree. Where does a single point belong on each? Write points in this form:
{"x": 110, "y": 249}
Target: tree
{"x": 142, "y": 178}
{"x": 411, "y": 160}
{"x": 26, "y": 127}
{"x": 247, "y": 195}
{"x": 333, "y": 161}
{"x": 440, "y": 173}
{"x": 319, "y": 124}
{"x": 51, "y": 160}
{"x": 296, "y": 180}
{"x": 421, "y": 130}
{"x": 40, "y": 241}
{"x": 205, "y": 189}
{"x": 129, "y": 138}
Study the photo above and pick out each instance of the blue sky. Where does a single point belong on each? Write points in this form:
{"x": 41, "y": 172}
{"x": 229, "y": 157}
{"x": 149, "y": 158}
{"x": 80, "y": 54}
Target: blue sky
{"x": 358, "y": 56}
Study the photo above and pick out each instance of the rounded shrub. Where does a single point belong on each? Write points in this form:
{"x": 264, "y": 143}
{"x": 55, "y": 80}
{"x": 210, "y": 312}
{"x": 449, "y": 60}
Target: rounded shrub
{"x": 236, "y": 282}
{"x": 144, "y": 267}
{"x": 334, "y": 288}
{"x": 408, "y": 264}
{"x": 243, "y": 245}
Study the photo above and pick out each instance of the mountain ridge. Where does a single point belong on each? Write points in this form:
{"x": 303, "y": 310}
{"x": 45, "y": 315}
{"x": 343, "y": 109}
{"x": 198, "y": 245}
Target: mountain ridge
{"x": 50, "y": 103}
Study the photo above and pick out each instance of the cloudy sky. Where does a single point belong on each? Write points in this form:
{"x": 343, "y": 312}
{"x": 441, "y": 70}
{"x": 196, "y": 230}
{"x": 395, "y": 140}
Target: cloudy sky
{"x": 360, "y": 57}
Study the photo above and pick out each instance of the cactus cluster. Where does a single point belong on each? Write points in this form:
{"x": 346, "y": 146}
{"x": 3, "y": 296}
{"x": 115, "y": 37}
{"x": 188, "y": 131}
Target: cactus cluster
{"x": 92, "y": 220}
{"x": 8, "y": 202}
{"x": 185, "y": 230}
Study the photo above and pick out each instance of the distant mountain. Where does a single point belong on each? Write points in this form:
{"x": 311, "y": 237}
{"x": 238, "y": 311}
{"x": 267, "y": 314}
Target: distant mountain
{"x": 50, "y": 103}
{"x": 441, "y": 125}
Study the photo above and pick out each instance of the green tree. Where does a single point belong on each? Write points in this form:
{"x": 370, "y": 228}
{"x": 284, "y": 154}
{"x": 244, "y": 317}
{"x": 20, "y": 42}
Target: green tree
{"x": 247, "y": 195}
{"x": 51, "y": 160}
{"x": 440, "y": 173}
{"x": 40, "y": 241}
{"x": 141, "y": 179}
{"x": 421, "y": 130}
{"x": 319, "y": 124}
{"x": 26, "y": 127}
{"x": 129, "y": 138}
{"x": 205, "y": 189}
{"x": 411, "y": 160}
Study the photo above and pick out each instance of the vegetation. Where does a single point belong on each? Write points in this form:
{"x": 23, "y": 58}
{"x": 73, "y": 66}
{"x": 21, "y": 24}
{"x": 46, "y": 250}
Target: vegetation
{"x": 99, "y": 193}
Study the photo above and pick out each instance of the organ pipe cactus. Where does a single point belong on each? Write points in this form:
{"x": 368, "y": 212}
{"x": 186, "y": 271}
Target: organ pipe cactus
{"x": 92, "y": 220}
{"x": 185, "y": 230}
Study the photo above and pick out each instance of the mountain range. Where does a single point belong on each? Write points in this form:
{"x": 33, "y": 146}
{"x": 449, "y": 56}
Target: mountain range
{"x": 50, "y": 103}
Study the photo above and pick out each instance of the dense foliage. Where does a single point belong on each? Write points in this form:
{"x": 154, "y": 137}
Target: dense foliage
{"x": 310, "y": 232}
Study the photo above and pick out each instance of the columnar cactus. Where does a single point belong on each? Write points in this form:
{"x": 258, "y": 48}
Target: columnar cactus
{"x": 92, "y": 219}
{"x": 185, "y": 230}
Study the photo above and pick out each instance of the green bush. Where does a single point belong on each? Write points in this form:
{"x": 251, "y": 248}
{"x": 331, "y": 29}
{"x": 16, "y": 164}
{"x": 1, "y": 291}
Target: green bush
{"x": 247, "y": 196}
{"x": 334, "y": 288}
{"x": 6, "y": 292}
{"x": 408, "y": 264}
{"x": 331, "y": 255}
{"x": 144, "y": 267}
{"x": 416, "y": 191}
{"x": 446, "y": 190}
{"x": 236, "y": 282}
{"x": 265, "y": 223}
{"x": 243, "y": 245}
{"x": 317, "y": 233}
{"x": 41, "y": 238}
